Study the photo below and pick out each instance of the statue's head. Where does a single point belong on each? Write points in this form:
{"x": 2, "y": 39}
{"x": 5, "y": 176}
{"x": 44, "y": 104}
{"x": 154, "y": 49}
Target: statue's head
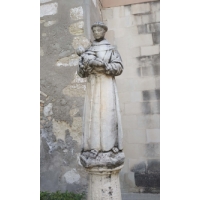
{"x": 99, "y": 29}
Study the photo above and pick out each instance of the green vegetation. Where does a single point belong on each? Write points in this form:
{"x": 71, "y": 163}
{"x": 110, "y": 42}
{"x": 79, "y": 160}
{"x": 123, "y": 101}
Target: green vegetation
{"x": 61, "y": 196}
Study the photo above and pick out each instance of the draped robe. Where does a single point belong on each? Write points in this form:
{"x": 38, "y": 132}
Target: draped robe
{"x": 102, "y": 128}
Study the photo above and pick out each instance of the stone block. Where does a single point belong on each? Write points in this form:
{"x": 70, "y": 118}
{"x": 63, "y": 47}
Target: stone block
{"x": 153, "y": 165}
{"x": 155, "y": 107}
{"x": 119, "y": 33}
{"x": 116, "y": 24}
{"x": 77, "y": 28}
{"x": 149, "y": 95}
{"x": 150, "y": 50}
{"x": 129, "y": 73}
{"x": 132, "y": 61}
{"x": 45, "y": 1}
{"x": 138, "y": 19}
{"x": 154, "y": 27}
{"x": 140, "y": 40}
{"x": 107, "y": 13}
{"x": 144, "y": 83}
{"x": 151, "y": 71}
{"x": 129, "y": 21}
{"x": 110, "y": 36}
{"x": 149, "y": 61}
{"x": 148, "y": 121}
{"x": 157, "y": 16}
{"x": 136, "y": 164}
{"x": 137, "y": 108}
{"x": 131, "y": 31}
{"x": 135, "y": 151}
{"x": 129, "y": 121}
{"x": 76, "y": 13}
{"x": 129, "y": 178}
{"x": 152, "y": 150}
{"x": 155, "y": 6}
{"x": 135, "y": 52}
{"x": 150, "y": 18}
{"x": 125, "y": 84}
{"x": 153, "y": 135}
{"x": 140, "y": 8}
{"x": 118, "y": 12}
{"x": 142, "y": 29}
{"x": 157, "y": 82}
{"x": 48, "y": 9}
{"x": 127, "y": 10}
{"x": 136, "y": 136}
{"x": 156, "y": 37}
{"x": 128, "y": 97}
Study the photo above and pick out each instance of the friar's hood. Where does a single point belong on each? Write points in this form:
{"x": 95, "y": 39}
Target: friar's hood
{"x": 104, "y": 45}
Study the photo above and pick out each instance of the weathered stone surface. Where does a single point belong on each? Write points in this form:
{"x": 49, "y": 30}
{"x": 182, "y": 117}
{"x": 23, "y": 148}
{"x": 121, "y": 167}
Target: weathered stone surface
{"x": 104, "y": 183}
{"x": 149, "y": 95}
{"x": 72, "y": 176}
{"x": 49, "y": 23}
{"x": 154, "y": 27}
{"x": 150, "y": 50}
{"x": 77, "y": 28}
{"x": 140, "y": 8}
{"x": 41, "y": 52}
{"x": 69, "y": 61}
{"x": 76, "y": 13}
{"x": 75, "y": 90}
{"x": 48, "y": 9}
{"x": 48, "y": 110}
{"x": 80, "y": 41}
{"x": 148, "y": 121}
{"x": 153, "y": 135}
{"x": 104, "y": 159}
{"x": 45, "y": 1}
{"x": 107, "y": 13}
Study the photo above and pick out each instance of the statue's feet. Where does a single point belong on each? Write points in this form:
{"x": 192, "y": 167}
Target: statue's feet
{"x": 115, "y": 150}
{"x": 93, "y": 153}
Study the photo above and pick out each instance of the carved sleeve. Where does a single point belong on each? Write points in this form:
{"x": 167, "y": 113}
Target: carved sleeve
{"x": 80, "y": 70}
{"x": 114, "y": 66}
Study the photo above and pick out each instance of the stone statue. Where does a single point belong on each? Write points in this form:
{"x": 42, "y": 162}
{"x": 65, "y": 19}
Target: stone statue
{"x": 102, "y": 129}
{"x": 102, "y": 151}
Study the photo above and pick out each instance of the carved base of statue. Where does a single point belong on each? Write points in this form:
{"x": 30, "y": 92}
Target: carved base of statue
{"x": 104, "y": 183}
{"x": 103, "y": 159}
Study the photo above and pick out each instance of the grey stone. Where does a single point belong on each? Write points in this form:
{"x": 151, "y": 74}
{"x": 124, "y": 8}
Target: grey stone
{"x": 146, "y": 107}
{"x": 155, "y": 107}
{"x": 103, "y": 159}
{"x": 153, "y": 150}
{"x": 156, "y": 37}
{"x": 151, "y": 95}
{"x": 154, "y": 27}
{"x": 151, "y": 71}
{"x": 142, "y": 29}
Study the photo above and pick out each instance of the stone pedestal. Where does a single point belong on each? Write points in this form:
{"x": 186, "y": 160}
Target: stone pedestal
{"x": 104, "y": 183}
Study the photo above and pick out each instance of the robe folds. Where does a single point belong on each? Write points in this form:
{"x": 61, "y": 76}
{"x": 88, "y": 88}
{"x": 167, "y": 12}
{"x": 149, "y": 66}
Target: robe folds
{"x": 102, "y": 128}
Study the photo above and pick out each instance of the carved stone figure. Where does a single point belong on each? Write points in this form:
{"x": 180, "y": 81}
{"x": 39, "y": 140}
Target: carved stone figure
{"x": 102, "y": 151}
{"x": 102, "y": 129}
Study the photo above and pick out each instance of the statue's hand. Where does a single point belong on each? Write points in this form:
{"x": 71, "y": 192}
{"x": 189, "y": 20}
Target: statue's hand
{"x": 96, "y": 63}
{"x": 80, "y": 50}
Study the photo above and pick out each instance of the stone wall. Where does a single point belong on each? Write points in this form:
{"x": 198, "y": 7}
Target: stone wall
{"x": 135, "y": 31}
{"x": 64, "y": 26}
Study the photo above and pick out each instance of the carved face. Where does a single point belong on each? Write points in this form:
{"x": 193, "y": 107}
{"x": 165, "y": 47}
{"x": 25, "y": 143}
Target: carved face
{"x": 98, "y": 32}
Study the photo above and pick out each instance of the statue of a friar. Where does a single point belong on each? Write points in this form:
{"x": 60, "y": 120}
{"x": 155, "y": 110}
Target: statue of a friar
{"x": 102, "y": 129}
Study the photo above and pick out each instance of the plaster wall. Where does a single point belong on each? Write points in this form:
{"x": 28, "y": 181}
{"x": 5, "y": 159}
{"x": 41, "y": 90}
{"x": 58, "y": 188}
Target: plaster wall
{"x": 64, "y": 26}
{"x": 135, "y": 31}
